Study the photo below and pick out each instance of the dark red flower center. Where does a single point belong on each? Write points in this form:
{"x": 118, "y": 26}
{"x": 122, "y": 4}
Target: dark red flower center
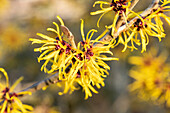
{"x": 139, "y": 24}
{"x": 118, "y": 6}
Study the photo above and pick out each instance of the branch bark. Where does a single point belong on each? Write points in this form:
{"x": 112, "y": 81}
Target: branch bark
{"x": 43, "y": 83}
{"x": 121, "y": 18}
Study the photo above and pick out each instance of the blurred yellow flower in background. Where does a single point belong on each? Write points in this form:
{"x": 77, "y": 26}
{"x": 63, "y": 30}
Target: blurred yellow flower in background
{"x": 149, "y": 60}
{"x": 151, "y": 76}
{"x": 9, "y": 101}
{"x": 4, "y": 4}
{"x": 12, "y": 38}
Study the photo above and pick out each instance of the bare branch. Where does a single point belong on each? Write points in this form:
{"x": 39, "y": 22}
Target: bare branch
{"x": 121, "y": 18}
{"x": 43, "y": 83}
{"x": 133, "y": 4}
{"x": 106, "y": 38}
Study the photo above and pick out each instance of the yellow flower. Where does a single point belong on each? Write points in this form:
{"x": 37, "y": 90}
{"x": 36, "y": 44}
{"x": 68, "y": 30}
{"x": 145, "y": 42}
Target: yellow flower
{"x": 83, "y": 65}
{"x": 145, "y": 28}
{"x": 158, "y": 13}
{"x": 13, "y": 38}
{"x": 88, "y": 68}
{"x": 4, "y": 4}
{"x": 120, "y": 7}
{"x": 9, "y": 102}
{"x": 152, "y": 79}
{"x": 54, "y": 50}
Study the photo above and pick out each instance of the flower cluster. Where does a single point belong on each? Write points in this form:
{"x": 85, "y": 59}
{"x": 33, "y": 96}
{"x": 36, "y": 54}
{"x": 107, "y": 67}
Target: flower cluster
{"x": 146, "y": 25}
{"x": 144, "y": 28}
{"x": 152, "y": 79}
{"x": 149, "y": 25}
{"x": 83, "y": 65}
{"x": 9, "y": 101}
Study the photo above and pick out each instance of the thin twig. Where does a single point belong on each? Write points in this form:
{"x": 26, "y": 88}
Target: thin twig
{"x": 133, "y": 4}
{"x": 43, "y": 83}
{"x": 39, "y": 85}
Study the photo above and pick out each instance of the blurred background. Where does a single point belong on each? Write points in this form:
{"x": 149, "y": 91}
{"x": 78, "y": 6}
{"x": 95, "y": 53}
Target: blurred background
{"x": 22, "y": 19}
